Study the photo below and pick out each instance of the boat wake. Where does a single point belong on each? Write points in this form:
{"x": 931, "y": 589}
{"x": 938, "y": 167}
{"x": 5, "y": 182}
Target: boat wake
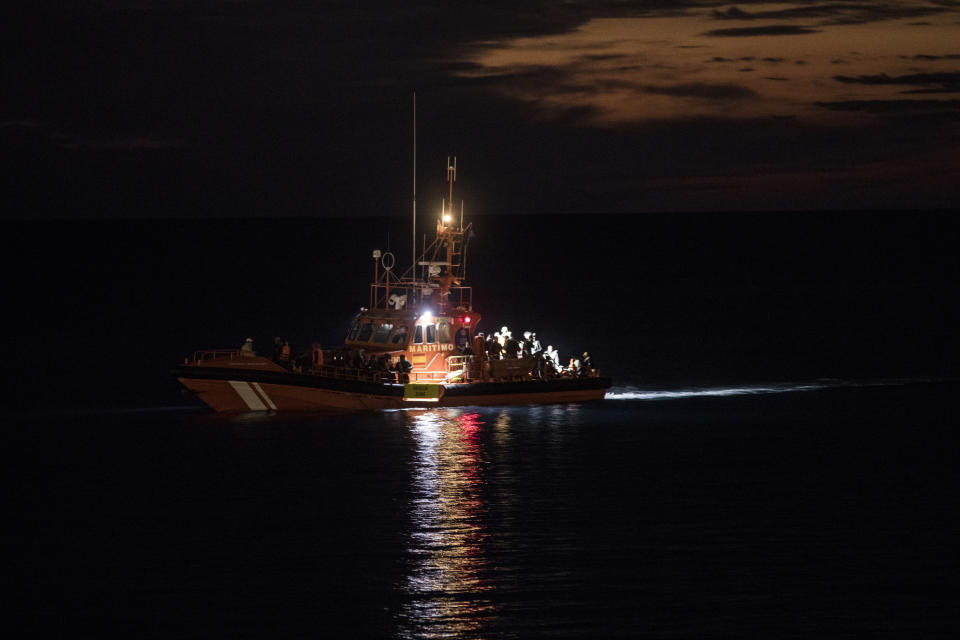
{"x": 635, "y": 393}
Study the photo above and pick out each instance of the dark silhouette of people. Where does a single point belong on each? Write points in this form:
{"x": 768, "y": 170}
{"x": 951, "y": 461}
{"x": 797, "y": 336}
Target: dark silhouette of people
{"x": 359, "y": 361}
{"x": 493, "y": 347}
{"x": 511, "y": 347}
{"x": 383, "y": 368}
{"x": 403, "y": 368}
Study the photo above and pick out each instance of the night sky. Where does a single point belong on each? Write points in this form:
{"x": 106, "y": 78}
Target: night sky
{"x": 201, "y": 109}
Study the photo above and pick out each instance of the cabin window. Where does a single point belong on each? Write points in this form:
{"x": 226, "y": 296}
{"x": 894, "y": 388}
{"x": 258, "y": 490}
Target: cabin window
{"x": 365, "y": 332}
{"x": 399, "y": 335}
{"x": 383, "y": 332}
{"x": 431, "y": 334}
{"x": 443, "y": 331}
{"x": 354, "y": 329}
{"x": 418, "y": 335}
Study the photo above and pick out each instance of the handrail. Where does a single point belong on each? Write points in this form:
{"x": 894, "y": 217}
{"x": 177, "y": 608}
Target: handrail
{"x": 454, "y": 363}
{"x": 460, "y": 295}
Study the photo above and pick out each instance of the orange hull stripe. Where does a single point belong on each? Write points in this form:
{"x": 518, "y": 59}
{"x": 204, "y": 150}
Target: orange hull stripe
{"x": 222, "y": 396}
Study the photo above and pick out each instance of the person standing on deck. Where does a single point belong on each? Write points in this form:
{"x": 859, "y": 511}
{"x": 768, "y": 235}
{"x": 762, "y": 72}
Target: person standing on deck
{"x": 403, "y": 368}
{"x": 527, "y": 344}
{"x": 511, "y": 347}
{"x": 494, "y": 348}
{"x": 535, "y": 346}
{"x": 586, "y": 365}
{"x": 552, "y": 359}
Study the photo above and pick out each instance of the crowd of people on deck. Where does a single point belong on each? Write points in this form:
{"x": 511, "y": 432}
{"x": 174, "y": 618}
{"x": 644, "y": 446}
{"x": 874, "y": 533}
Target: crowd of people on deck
{"x": 500, "y": 345}
{"x": 340, "y": 362}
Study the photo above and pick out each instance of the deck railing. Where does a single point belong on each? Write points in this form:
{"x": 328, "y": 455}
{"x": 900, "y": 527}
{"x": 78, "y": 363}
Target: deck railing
{"x": 460, "y": 369}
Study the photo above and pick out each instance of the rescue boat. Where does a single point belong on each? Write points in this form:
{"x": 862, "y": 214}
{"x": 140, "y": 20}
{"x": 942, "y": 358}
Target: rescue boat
{"x": 423, "y": 316}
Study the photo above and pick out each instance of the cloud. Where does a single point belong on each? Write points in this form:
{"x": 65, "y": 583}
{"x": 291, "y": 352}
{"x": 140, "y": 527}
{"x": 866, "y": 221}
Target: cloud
{"x": 74, "y": 140}
{"x": 23, "y": 124}
{"x": 926, "y": 56}
{"x": 942, "y": 82}
{"x": 834, "y": 12}
{"x": 771, "y": 60}
{"x": 770, "y": 30}
{"x": 701, "y": 90}
{"x": 950, "y": 108}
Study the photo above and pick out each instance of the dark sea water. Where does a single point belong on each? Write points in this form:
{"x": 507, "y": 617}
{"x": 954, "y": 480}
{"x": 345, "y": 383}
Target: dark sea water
{"x": 777, "y": 457}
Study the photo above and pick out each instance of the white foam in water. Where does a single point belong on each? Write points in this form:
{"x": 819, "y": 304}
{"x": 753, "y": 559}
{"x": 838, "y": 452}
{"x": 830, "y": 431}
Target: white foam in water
{"x": 631, "y": 393}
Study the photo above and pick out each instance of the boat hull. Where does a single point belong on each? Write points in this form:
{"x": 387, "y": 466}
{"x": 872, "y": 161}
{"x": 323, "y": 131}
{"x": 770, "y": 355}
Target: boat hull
{"x": 239, "y": 390}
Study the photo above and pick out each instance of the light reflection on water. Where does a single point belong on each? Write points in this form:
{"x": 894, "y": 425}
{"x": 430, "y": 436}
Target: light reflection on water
{"x": 449, "y": 581}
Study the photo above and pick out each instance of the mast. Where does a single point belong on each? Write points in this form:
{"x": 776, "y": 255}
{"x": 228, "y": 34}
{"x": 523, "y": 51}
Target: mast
{"x": 413, "y": 237}
{"x": 451, "y": 178}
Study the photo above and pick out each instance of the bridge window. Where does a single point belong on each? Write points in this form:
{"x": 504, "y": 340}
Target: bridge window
{"x": 365, "y": 332}
{"x": 383, "y": 331}
{"x": 354, "y": 328}
{"x": 418, "y": 335}
{"x": 400, "y": 335}
{"x": 443, "y": 330}
{"x": 431, "y": 334}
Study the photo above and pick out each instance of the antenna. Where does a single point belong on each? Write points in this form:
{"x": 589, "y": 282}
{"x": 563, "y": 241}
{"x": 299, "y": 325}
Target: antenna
{"x": 413, "y": 244}
{"x": 451, "y": 177}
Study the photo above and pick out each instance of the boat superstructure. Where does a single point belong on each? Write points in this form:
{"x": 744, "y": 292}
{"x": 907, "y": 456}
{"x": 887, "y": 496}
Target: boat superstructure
{"x": 416, "y": 341}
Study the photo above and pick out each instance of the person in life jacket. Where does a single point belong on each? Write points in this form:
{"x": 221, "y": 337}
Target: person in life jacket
{"x": 285, "y": 354}
{"x": 403, "y": 368}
